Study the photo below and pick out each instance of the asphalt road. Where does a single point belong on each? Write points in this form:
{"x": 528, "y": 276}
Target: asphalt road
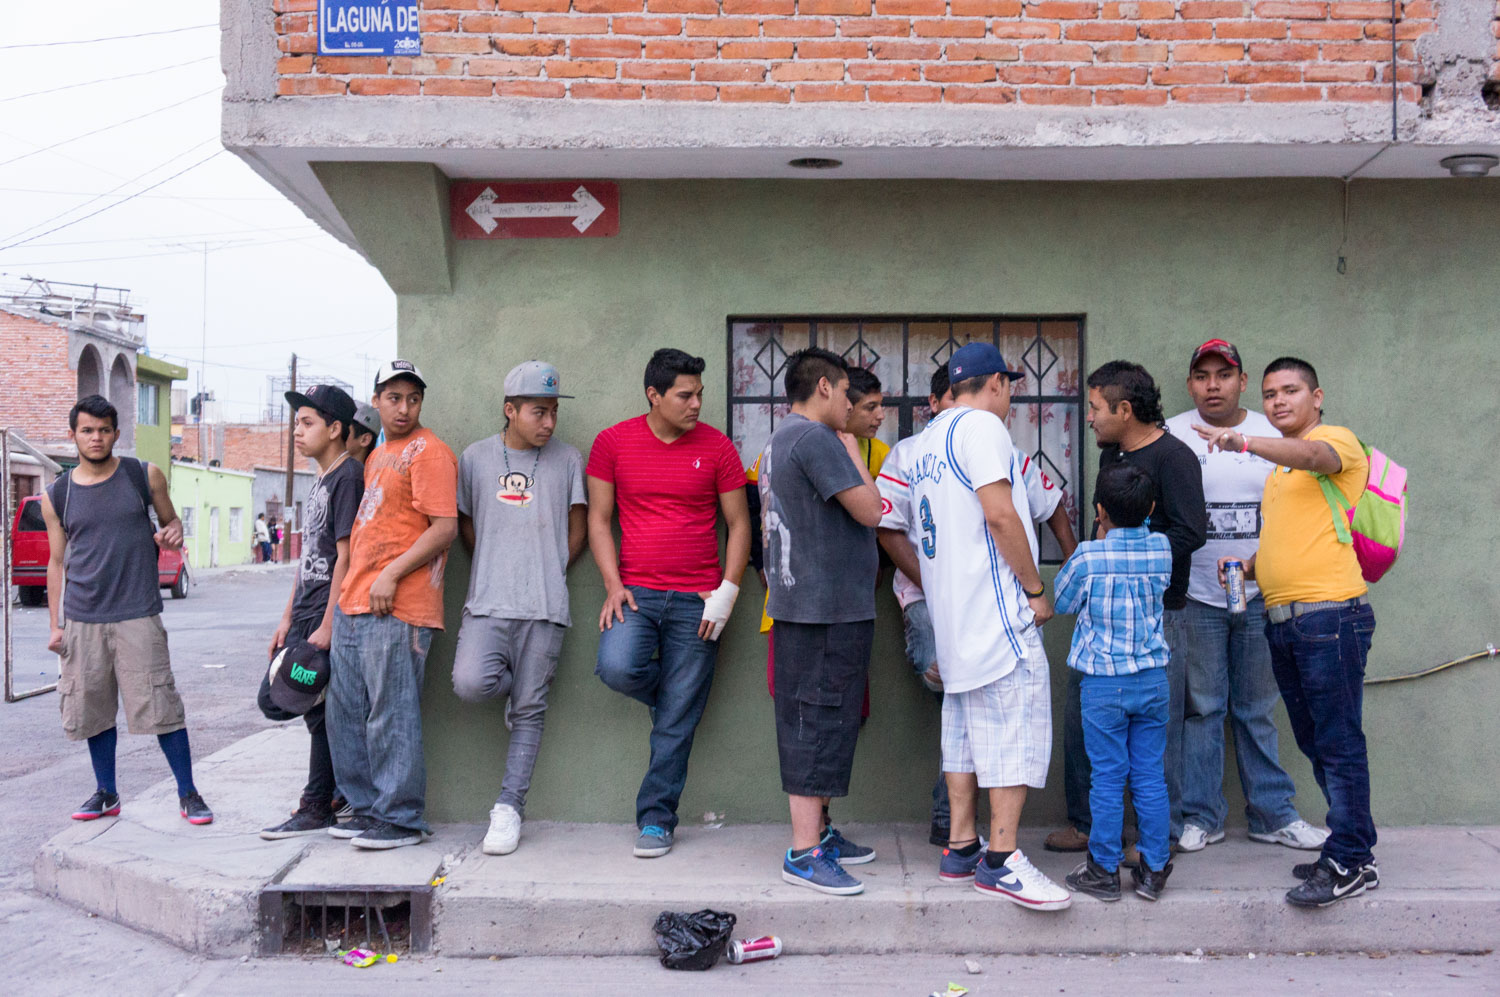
{"x": 218, "y": 639}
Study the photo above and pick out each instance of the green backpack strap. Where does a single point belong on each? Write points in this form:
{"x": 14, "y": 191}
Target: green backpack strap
{"x": 1338, "y": 505}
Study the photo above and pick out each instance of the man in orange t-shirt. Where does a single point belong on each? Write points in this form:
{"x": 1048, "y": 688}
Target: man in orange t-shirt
{"x": 1318, "y": 617}
{"x": 391, "y": 602}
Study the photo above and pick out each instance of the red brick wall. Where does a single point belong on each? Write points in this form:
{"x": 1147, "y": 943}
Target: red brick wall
{"x": 40, "y": 387}
{"x": 246, "y": 445}
{"x": 1071, "y": 52}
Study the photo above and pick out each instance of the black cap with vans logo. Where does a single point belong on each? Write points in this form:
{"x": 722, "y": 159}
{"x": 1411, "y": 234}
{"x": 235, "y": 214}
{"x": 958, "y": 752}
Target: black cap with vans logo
{"x": 299, "y": 676}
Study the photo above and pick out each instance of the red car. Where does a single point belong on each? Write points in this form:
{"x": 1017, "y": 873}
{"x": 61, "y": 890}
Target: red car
{"x": 30, "y": 552}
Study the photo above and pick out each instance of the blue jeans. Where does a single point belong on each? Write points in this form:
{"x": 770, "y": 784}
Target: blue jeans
{"x": 1319, "y": 661}
{"x": 1229, "y": 671}
{"x": 657, "y": 658}
{"x": 1125, "y": 720}
{"x": 374, "y": 716}
{"x": 921, "y": 654}
{"x": 1076, "y": 777}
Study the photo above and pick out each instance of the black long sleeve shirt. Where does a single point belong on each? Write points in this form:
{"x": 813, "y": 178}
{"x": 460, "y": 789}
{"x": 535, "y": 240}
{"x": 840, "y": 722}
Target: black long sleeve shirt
{"x": 1180, "y": 513}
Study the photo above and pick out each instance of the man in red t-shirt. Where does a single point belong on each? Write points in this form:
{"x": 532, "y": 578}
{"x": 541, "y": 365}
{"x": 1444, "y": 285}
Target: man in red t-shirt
{"x": 666, "y": 599}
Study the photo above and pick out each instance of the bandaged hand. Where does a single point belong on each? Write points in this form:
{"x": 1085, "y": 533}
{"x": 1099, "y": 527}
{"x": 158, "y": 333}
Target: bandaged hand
{"x": 716, "y": 610}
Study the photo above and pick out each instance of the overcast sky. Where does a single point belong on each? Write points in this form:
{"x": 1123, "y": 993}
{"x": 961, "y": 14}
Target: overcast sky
{"x": 278, "y": 284}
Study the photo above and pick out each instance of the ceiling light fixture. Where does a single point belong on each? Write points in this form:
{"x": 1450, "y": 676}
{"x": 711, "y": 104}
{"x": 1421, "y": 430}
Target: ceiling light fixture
{"x": 1471, "y": 165}
{"x": 815, "y": 163}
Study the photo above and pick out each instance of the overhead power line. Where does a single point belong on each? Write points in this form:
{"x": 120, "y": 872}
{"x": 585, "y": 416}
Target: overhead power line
{"x": 111, "y": 38}
{"x": 160, "y": 237}
{"x": 116, "y": 204}
{"x": 109, "y": 193}
{"x": 117, "y": 124}
{"x": 153, "y": 197}
{"x": 248, "y": 244}
{"x": 109, "y": 79}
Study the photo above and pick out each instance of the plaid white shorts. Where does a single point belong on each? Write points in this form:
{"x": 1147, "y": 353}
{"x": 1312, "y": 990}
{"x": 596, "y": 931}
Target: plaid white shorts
{"x": 1002, "y": 732}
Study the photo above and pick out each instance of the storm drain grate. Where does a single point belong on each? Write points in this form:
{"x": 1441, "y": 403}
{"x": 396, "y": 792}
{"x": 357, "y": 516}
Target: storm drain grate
{"x": 297, "y": 921}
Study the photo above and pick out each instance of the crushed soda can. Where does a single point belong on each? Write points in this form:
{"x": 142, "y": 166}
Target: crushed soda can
{"x": 754, "y": 949}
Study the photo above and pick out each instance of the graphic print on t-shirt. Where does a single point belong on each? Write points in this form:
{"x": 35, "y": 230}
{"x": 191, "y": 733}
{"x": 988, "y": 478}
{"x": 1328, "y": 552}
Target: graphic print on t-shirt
{"x": 1233, "y": 520}
{"x": 314, "y": 567}
{"x": 778, "y": 537}
{"x": 516, "y": 489}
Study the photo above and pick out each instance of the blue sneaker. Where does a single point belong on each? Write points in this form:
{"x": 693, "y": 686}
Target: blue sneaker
{"x": 1022, "y": 884}
{"x": 654, "y": 842}
{"x": 817, "y": 870}
{"x": 843, "y": 851}
{"x": 957, "y": 870}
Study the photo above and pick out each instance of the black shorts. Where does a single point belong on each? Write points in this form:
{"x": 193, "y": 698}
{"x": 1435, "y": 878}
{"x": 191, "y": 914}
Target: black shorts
{"x": 821, "y": 672}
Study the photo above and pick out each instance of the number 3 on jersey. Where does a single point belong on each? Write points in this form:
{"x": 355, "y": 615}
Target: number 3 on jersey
{"x": 929, "y": 529}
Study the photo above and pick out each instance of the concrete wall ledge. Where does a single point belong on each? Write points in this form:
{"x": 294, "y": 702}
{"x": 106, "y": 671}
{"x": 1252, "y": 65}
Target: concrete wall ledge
{"x": 1228, "y": 899}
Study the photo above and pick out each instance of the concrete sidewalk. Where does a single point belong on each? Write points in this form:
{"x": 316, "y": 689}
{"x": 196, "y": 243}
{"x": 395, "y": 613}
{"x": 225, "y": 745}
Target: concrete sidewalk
{"x": 575, "y": 889}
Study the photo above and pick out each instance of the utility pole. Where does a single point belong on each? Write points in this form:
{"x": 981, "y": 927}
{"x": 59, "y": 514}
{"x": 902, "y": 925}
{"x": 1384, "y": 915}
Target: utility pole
{"x": 291, "y": 456}
{"x": 205, "y": 248}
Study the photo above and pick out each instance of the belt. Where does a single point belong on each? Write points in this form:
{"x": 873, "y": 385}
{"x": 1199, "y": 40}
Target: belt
{"x": 1280, "y": 614}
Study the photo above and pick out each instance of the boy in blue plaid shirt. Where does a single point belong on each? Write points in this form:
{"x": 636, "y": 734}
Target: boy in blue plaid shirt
{"x": 1115, "y": 585}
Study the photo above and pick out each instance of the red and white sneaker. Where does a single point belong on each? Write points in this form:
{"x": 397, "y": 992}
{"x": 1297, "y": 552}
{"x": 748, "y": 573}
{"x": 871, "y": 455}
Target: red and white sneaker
{"x": 101, "y": 804}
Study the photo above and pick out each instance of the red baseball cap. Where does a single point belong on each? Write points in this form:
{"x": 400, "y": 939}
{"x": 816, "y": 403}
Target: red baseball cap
{"x": 1222, "y": 347}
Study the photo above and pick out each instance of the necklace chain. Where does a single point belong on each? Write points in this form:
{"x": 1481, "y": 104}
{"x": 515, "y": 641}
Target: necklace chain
{"x": 536, "y": 461}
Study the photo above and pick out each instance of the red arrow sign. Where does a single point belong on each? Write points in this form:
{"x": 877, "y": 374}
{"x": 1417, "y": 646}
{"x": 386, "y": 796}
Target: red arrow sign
{"x": 487, "y": 209}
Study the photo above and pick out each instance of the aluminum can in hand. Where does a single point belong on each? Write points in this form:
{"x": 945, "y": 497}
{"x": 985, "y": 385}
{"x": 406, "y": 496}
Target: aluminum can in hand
{"x": 1234, "y": 584}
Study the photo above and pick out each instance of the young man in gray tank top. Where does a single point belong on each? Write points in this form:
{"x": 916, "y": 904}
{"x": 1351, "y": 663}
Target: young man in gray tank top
{"x": 107, "y": 626}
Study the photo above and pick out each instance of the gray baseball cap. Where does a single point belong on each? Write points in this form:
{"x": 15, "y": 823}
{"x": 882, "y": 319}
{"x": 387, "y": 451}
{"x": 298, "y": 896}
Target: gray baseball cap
{"x": 367, "y": 418}
{"x": 533, "y": 379}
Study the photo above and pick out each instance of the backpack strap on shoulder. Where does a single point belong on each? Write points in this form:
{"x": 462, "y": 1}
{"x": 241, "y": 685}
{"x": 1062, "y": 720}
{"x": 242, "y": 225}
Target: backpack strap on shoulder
{"x": 136, "y": 471}
{"x": 1338, "y": 506}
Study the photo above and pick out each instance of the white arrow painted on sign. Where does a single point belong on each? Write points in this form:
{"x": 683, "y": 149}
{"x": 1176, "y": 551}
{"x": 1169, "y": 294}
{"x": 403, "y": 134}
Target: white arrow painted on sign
{"x": 584, "y": 209}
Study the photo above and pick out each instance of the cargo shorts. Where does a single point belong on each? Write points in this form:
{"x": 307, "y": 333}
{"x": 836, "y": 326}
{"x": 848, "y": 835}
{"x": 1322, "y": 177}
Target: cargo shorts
{"x": 105, "y": 663}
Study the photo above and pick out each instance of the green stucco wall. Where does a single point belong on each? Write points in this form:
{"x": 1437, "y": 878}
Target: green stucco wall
{"x": 1404, "y": 341}
{"x": 154, "y": 443}
{"x": 206, "y": 489}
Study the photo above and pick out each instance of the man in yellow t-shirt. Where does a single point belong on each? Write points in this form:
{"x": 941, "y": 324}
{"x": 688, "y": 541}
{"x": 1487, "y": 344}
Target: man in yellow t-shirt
{"x": 1318, "y": 619}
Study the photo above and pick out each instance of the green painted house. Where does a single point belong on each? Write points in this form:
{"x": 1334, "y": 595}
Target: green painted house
{"x": 217, "y": 521}
{"x": 153, "y": 412}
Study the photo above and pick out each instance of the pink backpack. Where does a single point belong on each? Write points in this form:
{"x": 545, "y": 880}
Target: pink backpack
{"x": 1376, "y": 522}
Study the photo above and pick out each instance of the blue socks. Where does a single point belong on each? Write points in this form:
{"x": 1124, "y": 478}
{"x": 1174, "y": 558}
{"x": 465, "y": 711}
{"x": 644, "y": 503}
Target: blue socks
{"x": 102, "y": 755}
{"x": 179, "y": 756}
{"x": 173, "y": 745}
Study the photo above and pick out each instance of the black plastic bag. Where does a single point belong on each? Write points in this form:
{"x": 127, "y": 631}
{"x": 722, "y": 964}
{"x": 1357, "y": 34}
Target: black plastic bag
{"x": 693, "y": 941}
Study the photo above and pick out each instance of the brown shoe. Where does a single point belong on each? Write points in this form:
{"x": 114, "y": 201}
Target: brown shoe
{"x": 1131, "y": 857}
{"x": 1069, "y": 839}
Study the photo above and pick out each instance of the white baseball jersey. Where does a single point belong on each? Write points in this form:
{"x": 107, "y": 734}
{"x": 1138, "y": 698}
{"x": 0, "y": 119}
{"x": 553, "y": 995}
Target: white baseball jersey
{"x": 979, "y": 610}
{"x": 1042, "y": 496}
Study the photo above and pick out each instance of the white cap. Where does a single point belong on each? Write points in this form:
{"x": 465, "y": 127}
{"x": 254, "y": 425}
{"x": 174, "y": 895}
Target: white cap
{"x": 399, "y": 368}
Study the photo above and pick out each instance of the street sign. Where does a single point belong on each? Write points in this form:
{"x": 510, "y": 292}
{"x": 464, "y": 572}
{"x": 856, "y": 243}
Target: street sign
{"x": 368, "y": 27}
{"x": 485, "y": 209}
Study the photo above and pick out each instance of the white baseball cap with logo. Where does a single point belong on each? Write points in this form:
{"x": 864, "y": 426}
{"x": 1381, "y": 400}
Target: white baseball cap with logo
{"x": 399, "y": 368}
{"x": 533, "y": 379}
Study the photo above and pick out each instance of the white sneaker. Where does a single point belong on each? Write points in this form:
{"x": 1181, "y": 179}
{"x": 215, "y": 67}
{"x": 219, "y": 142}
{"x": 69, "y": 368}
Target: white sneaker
{"x": 1297, "y": 834}
{"x": 1022, "y": 883}
{"x": 1195, "y": 839}
{"x": 505, "y": 830}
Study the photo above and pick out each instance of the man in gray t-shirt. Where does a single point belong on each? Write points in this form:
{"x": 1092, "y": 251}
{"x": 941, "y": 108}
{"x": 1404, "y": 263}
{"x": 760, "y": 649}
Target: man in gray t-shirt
{"x": 820, "y": 510}
{"x": 522, "y": 512}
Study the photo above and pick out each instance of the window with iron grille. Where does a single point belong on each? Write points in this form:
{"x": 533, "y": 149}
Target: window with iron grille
{"x": 1046, "y": 415}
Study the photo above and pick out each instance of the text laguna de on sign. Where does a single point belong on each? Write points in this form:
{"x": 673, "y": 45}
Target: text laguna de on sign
{"x": 368, "y": 27}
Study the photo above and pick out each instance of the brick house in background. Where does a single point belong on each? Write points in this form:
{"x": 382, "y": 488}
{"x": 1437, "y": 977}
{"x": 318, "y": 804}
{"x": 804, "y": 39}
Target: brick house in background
{"x": 1076, "y": 181}
{"x": 60, "y": 342}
